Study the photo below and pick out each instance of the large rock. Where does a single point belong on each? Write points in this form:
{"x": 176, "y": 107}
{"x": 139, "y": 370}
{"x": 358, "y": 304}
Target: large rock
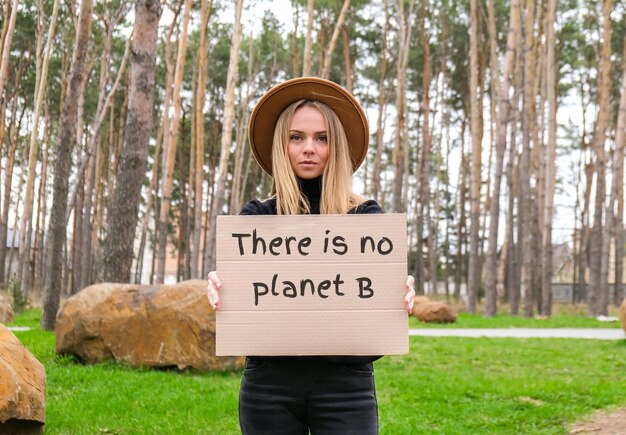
{"x": 151, "y": 326}
{"x": 6, "y": 312}
{"x": 622, "y": 315}
{"x": 434, "y": 312}
{"x": 22, "y": 387}
{"x": 421, "y": 299}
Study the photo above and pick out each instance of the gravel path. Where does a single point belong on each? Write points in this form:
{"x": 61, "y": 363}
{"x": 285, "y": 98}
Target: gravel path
{"x": 590, "y": 333}
{"x": 19, "y": 328}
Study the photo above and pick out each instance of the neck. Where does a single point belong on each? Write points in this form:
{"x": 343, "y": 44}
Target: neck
{"x": 312, "y": 190}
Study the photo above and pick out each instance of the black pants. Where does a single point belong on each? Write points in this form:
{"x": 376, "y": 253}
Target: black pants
{"x": 298, "y": 395}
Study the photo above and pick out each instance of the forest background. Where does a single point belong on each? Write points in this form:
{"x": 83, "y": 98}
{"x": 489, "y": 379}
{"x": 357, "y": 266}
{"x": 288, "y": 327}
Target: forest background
{"x": 123, "y": 134}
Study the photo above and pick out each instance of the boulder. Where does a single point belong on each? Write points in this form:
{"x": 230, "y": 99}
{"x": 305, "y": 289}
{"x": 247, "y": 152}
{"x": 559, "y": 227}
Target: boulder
{"x": 149, "y": 326}
{"x": 434, "y": 312}
{"x": 420, "y": 300}
{"x": 22, "y": 387}
{"x": 6, "y": 312}
{"x": 622, "y": 315}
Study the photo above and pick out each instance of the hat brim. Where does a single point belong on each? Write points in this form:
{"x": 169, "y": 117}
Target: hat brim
{"x": 267, "y": 111}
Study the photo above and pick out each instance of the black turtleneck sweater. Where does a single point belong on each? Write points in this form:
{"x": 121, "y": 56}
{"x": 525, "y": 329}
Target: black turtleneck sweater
{"x": 312, "y": 191}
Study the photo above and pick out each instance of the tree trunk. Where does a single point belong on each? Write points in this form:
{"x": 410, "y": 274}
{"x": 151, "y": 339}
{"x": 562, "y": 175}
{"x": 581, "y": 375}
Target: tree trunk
{"x": 227, "y": 132}
{"x": 476, "y": 108}
{"x": 550, "y": 162}
{"x": 62, "y": 166}
{"x": 6, "y": 49}
{"x": 503, "y": 117}
{"x": 152, "y": 205}
{"x": 380, "y": 128}
{"x": 405, "y": 20}
{"x": 460, "y": 234}
{"x": 308, "y": 41}
{"x": 424, "y": 162}
{"x": 87, "y": 223}
{"x": 295, "y": 54}
{"x": 513, "y": 182}
{"x": 525, "y": 208}
{"x": 618, "y": 187}
{"x": 27, "y": 213}
{"x": 598, "y": 290}
{"x": 538, "y": 159}
{"x": 241, "y": 136}
{"x": 16, "y": 213}
{"x": 433, "y": 218}
{"x": 14, "y": 127}
{"x": 206, "y": 11}
{"x": 122, "y": 217}
{"x": 77, "y": 237}
{"x": 183, "y": 218}
{"x": 587, "y": 167}
{"x": 169, "y": 146}
{"x": 101, "y": 114}
{"x": 347, "y": 59}
{"x": 325, "y": 70}
{"x": 38, "y": 269}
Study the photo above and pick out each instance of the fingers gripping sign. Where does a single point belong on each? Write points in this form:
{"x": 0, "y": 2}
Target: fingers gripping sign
{"x": 410, "y": 294}
{"x": 214, "y": 284}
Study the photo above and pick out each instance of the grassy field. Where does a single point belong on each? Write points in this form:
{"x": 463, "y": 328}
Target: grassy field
{"x": 444, "y": 386}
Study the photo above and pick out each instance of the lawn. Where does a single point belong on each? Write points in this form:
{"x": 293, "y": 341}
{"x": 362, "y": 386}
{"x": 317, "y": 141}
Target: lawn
{"x": 444, "y": 386}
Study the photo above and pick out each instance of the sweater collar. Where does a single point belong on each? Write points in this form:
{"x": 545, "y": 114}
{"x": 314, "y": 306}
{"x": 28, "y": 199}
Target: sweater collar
{"x": 311, "y": 188}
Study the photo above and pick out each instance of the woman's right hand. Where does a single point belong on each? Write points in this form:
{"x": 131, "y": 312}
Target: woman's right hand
{"x": 212, "y": 290}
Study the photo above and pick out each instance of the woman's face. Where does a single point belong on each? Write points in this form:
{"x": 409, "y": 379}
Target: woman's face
{"x": 308, "y": 143}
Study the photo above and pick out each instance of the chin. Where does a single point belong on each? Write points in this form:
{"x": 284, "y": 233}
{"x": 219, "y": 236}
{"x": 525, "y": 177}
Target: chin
{"x": 308, "y": 176}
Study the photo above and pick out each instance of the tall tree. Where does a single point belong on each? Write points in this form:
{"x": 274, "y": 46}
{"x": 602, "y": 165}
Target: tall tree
{"x": 504, "y": 109}
{"x": 6, "y": 49}
{"x": 325, "y": 68}
{"x": 598, "y": 290}
{"x": 169, "y": 145}
{"x": 618, "y": 187}
{"x": 550, "y": 164}
{"x": 525, "y": 207}
{"x": 151, "y": 208}
{"x": 405, "y": 25}
{"x": 206, "y": 10}
{"x": 308, "y": 40}
{"x": 227, "y": 132}
{"x": 110, "y": 21}
{"x": 122, "y": 216}
{"x": 27, "y": 214}
{"x": 476, "y": 174}
{"x": 376, "y": 170}
{"x": 423, "y": 164}
{"x": 62, "y": 166}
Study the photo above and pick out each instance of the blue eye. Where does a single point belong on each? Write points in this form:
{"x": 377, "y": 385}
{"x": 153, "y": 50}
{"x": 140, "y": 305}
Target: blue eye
{"x": 322, "y": 138}
{"x": 295, "y": 137}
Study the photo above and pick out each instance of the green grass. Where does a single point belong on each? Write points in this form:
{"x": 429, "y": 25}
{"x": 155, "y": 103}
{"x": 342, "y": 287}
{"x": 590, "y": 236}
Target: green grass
{"x": 444, "y": 386}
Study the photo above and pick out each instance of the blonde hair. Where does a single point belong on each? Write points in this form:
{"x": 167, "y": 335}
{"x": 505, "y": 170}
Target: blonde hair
{"x": 337, "y": 196}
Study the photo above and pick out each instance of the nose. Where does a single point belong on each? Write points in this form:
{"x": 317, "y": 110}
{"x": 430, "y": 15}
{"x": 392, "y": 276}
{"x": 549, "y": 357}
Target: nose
{"x": 309, "y": 146}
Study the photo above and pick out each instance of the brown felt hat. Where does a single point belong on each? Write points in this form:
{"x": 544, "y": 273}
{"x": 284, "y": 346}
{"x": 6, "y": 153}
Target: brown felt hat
{"x": 270, "y": 106}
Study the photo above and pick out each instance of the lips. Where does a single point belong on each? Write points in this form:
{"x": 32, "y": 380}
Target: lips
{"x": 308, "y": 163}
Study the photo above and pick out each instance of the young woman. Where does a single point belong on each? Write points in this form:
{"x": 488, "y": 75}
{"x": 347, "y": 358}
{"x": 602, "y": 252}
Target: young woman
{"x": 310, "y": 135}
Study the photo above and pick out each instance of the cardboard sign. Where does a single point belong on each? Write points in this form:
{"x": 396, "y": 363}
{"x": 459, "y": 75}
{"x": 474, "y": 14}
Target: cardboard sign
{"x": 312, "y": 285}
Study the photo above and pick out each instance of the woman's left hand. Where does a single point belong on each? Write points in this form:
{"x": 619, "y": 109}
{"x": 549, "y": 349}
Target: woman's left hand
{"x": 410, "y": 294}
